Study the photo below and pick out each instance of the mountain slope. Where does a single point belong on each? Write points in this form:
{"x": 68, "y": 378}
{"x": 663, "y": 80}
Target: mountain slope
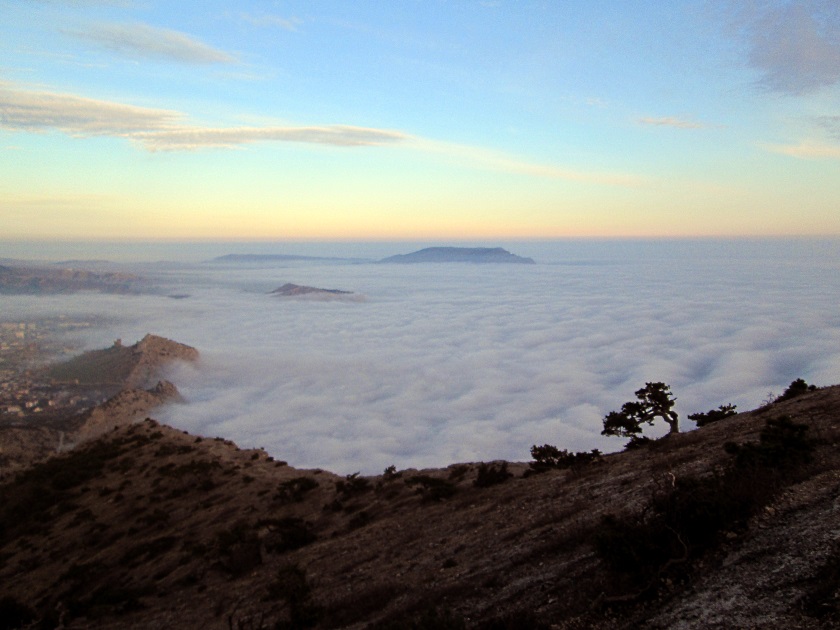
{"x": 150, "y": 527}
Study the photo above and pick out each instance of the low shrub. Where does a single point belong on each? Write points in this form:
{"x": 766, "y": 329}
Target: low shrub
{"x": 713, "y": 415}
{"x": 352, "y": 485}
{"x": 549, "y": 457}
{"x": 491, "y": 475}
{"x": 686, "y": 517}
{"x": 294, "y": 490}
{"x": 432, "y": 488}
{"x": 795, "y": 389}
{"x": 287, "y": 534}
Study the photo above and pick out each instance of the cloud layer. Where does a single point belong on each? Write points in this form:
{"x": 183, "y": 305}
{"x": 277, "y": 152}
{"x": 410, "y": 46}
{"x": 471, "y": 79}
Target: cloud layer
{"x": 445, "y": 363}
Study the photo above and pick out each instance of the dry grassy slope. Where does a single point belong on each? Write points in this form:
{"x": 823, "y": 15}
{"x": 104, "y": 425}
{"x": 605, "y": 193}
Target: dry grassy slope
{"x": 148, "y": 527}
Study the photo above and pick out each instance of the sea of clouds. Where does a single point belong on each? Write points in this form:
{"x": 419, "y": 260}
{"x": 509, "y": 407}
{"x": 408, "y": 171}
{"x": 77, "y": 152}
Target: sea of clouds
{"x": 431, "y": 364}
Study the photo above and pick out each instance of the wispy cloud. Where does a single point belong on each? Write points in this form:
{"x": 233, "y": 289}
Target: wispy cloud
{"x": 191, "y": 139}
{"x": 806, "y": 150}
{"x": 143, "y": 40}
{"x": 671, "y": 121}
{"x": 158, "y": 129}
{"x": 90, "y": 3}
{"x": 266, "y": 20}
{"x": 22, "y": 110}
{"x": 168, "y": 130}
{"x": 794, "y": 45}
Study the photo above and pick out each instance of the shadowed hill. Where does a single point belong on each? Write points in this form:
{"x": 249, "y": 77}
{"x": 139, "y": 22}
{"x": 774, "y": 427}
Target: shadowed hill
{"x": 151, "y": 527}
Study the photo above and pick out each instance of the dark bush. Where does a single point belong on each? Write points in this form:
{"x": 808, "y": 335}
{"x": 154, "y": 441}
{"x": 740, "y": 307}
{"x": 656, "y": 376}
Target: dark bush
{"x": 287, "y": 534}
{"x": 432, "y": 488}
{"x": 352, "y": 485}
{"x": 294, "y": 490}
{"x": 782, "y": 444}
{"x": 548, "y": 457}
{"x": 638, "y": 441}
{"x": 713, "y": 415}
{"x": 796, "y": 388}
{"x": 491, "y": 475}
{"x": 458, "y": 471}
{"x": 687, "y": 516}
{"x": 391, "y": 473}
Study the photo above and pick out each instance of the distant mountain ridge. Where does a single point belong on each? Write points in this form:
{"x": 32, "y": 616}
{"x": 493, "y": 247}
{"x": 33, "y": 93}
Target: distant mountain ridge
{"x": 264, "y": 258}
{"x": 478, "y": 255}
{"x": 460, "y": 254}
{"x": 17, "y": 280}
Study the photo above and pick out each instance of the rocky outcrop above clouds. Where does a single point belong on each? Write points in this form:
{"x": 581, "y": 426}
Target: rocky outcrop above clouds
{"x": 296, "y": 290}
{"x": 124, "y": 367}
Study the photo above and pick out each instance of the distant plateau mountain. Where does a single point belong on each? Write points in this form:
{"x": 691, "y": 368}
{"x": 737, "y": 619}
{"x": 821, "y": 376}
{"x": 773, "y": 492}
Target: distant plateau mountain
{"x": 459, "y": 254}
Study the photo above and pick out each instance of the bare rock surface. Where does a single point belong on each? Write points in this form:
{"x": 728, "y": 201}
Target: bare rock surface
{"x": 135, "y": 366}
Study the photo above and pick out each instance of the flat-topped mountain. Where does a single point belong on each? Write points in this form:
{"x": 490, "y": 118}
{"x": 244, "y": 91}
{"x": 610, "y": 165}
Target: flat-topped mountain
{"x": 35, "y": 280}
{"x": 126, "y": 367}
{"x": 460, "y": 255}
{"x": 296, "y": 290}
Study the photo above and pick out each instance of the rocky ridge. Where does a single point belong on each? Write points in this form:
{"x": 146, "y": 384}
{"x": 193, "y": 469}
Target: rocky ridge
{"x": 126, "y": 377}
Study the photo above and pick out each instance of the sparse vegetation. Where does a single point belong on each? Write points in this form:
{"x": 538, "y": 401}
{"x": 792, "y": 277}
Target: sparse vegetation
{"x": 687, "y": 516}
{"x": 295, "y": 490}
{"x": 491, "y": 475}
{"x": 713, "y": 415}
{"x": 795, "y": 389}
{"x": 549, "y": 457}
{"x": 432, "y": 488}
{"x": 352, "y": 485}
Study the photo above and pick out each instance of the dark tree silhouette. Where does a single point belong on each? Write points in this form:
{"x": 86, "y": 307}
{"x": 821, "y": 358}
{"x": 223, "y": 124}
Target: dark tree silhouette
{"x": 654, "y": 401}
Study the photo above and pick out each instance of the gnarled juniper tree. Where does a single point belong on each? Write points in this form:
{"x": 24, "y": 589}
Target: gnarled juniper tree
{"x": 654, "y": 400}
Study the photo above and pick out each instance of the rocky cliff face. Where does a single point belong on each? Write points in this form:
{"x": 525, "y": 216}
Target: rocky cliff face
{"x": 119, "y": 366}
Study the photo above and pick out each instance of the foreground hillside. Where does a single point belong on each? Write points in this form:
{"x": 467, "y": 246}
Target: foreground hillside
{"x": 149, "y": 527}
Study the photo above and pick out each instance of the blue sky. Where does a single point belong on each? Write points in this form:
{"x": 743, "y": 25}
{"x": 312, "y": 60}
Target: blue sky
{"x": 442, "y": 119}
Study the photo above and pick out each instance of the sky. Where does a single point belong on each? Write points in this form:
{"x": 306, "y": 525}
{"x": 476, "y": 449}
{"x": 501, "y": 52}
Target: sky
{"x": 418, "y": 119}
